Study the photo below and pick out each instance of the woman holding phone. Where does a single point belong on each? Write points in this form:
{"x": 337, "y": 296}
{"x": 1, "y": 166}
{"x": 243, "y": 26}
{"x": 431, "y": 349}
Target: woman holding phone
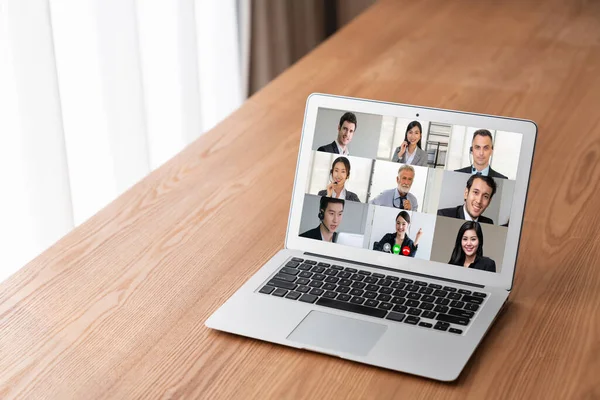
{"x": 410, "y": 152}
{"x": 338, "y": 175}
{"x": 468, "y": 249}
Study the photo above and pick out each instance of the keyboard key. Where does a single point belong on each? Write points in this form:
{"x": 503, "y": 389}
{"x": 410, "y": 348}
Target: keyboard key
{"x": 282, "y": 284}
{"x": 318, "y": 270}
{"x": 303, "y": 281}
{"x": 406, "y": 280}
{"x": 356, "y": 292}
{"x": 441, "y": 309}
{"x": 428, "y": 314}
{"x": 440, "y": 293}
{"x": 461, "y": 313}
{"x": 351, "y": 270}
{"x": 452, "y": 319}
{"x": 400, "y": 309}
{"x": 332, "y": 279}
{"x": 441, "y": 326}
{"x": 454, "y": 296}
{"x": 413, "y": 296}
{"x": 457, "y": 304}
{"x": 385, "y": 306}
{"x": 319, "y": 277}
{"x": 464, "y": 291}
{"x": 329, "y": 294}
{"x": 386, "y": 290}
{"x": 443, "y": 302}
{"x": 400, "y": 293}
{"x": 412, "y": 303}
{"x": 414, "y": 311}
{"x": 370, "y": 295}
{"x": 377, "y": 275}
{"x": 412, "y": 288}
{"x": 372, "y": 288}
{"x": 292, "y": 264}
{"x": 293, "y": 295}
{"x": 340, "y": 305}
{"x": 305, "y": 274}
{"x": 345, "y": 282}
{"x": 426, "y": 290}
{"x": 435, "y": 286}
{"x": 344, "y": 274}
{"x": 358, "y": 285}
{"x": 385, "y": 282}
{"x": 342, "y": 289}
{"x": 330, "y": 272}
{"x": 425, "y": 324}
{"x": 267, "y": 289}
{"x": 472, "y": 299}
{"x": 454, "y": 330}
{"x": 371, "y": 303}
{"x": 279, "y": 292}
{"x": 364, "y": 272}
{"x": 449, "y": 289}
{"x": 398, "y": 285}
{"x": 394, "y": 316}
{"x": 308, "y": 298}
{"x": 305, "y": 267}
{"x": 338, "y": 267}
{"x": 344, "y": 297}
{"x": 289, "y": 271}
{"x": 471, "y": 307}
{"x": 357, "y": 300}
{"x": 428, "y": 299}
{"x": 297, "y": 259}
{"x": 392, "y": 278}
{"x": 426, "y": 306}
{"x": 311, "y": 262}
{"x": 322, "y": 264}
{"x": 370, "y": 279}
{"x": 412, "y": 320}
{"x": 316, "y": 284}
{"x": 420, "y": 283}
{"x": 285, "y": 277}
{"x": 317, "y": 292}
{"x": 398, "y": 300}
{"x": 357, "y": 277}
{"x": 328, "y": 286}
{"x": 384, "y": 297}
{"x": 303, "y": 289}
{"x": 479, "y": 294}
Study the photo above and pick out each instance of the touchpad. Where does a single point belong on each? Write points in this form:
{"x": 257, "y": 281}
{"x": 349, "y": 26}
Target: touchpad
{"x": 342, "y": 334}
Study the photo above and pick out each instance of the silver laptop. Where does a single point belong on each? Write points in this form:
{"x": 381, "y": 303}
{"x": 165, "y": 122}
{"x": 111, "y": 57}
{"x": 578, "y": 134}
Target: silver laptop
{"x": 402, "y": 237}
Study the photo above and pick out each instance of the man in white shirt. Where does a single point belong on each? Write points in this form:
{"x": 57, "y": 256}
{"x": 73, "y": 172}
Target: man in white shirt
{"x": 346, "y": 129}
{"x": 478, "y": 195}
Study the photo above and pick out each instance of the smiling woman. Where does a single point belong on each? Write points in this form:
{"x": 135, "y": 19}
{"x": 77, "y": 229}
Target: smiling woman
{"x": 468, "y": 249}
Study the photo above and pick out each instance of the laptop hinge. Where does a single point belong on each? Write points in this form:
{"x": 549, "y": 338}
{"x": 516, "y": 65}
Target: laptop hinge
{"x": 395, "y": 270}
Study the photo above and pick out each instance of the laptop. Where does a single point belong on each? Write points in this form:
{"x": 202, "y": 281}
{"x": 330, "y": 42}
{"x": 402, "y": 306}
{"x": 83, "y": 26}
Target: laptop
{"x": 402, "y": 238}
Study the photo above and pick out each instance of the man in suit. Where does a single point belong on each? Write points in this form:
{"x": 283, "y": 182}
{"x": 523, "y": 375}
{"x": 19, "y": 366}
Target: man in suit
{"x": 478, "y": 195}
{"x": 482, "y": 149}
{"x": 399, "y": 197}
{"x": 331, "y": 211}
{"x": 346, "y": 129}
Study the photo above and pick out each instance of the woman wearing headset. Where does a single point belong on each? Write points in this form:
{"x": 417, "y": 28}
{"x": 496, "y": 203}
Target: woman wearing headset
{"x": 398, "y": 242}
{"x": 410, "y": 151}
{"x": 339, "y": 174}
{"x": 468, "y": 249}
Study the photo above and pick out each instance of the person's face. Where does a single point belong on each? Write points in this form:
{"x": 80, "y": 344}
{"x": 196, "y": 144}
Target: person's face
{"x": 345, "y": 133}
{"x": 470, "y": 242}
{"x": 405, "y": 181}
{"x": 333, "y": 216}
{"x": 414, "y": 135}
{"x": 401, "y": 225}
{"x": 339, "y": 173}
{"x": 478, "y": 198}
{"x": 482, "y": 151}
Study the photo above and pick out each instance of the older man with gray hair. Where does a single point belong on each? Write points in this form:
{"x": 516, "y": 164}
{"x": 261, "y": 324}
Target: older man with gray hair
{"x": 399, "y": 197}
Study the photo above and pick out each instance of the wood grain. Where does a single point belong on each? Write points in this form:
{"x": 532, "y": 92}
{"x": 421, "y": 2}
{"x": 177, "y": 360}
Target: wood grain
{"x": 116, "y": 309}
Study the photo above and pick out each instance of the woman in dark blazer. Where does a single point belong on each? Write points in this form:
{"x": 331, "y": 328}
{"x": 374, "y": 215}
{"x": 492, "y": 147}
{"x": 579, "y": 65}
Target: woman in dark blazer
{"x": 400, "y": 237}
{"x": 339, "y": 174}
{"x": 410, "y": 151}
{"x": 468, "y": 249}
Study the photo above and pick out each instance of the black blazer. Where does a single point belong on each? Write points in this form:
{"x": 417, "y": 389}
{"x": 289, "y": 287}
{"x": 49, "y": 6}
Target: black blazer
{"x": 391, "y": 239}
{"x": 316, "y": 234}
{"x": 493, "y": 174}
{"x": 329, "y": 148}
{"x": 350, "y": 196}
{"x": 484, "y": 263}
{"x": 458, "y": 212}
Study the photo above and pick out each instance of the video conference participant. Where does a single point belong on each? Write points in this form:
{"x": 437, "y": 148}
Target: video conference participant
{"x": 339, "y": 174}
{"x": 482, "y": 149}
{"x": 410, "y": 151}
{"x": 478, "y": 195}
{"x": 399, "y": 197}
{"x": 468, "y": 249}
{"x": 346, "y": 129}
{"x": 398, "y": 242}
{"x": 331, "y": 211}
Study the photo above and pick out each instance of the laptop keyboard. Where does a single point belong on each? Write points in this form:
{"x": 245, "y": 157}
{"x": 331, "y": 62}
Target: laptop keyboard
{"x": 415, "y": 302}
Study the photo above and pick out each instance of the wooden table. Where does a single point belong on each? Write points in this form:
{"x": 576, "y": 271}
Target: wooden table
{"x": 117, "y": 307}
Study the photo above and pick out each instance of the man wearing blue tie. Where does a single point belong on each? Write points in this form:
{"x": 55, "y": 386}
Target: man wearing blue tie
{"x": 482, "y": 149}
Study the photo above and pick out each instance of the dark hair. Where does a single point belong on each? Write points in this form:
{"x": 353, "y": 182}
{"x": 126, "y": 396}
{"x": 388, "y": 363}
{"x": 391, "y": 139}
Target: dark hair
{"x": 458, "y": 254}
{"x": 346, "y": 163}
{"x": 404, "y": 215}
{"x": 350, "y": 117}
{"x": 324, "y": 202}
{"x": 409, "y": 127}
{"x": 483, "y": 132}
{"x": 487, "y": 179}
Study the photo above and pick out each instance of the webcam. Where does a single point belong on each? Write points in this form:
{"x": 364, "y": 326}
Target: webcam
{"x": 417, "y": 114}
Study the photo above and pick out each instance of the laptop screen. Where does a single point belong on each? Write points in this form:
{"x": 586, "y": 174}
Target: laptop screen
{"x": 412, "y": 188}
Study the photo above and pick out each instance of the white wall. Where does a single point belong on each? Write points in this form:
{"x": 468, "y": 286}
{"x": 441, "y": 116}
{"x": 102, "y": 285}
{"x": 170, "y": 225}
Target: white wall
{"x": 507, "y": 149}
{"x": 384, "y": 178}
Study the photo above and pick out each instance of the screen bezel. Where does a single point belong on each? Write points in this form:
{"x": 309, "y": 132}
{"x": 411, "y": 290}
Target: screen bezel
{"x": 502, "y": 279}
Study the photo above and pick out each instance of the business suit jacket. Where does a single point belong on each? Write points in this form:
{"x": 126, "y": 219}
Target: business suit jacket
{"x": 459, "y": 212}
{"x": 484, "y": 263}
{"x": 386, "y": 198}
{"x": 329, "y": 148}
{"x": 315, "y": 233}
{"x": 420, "y": 158}
{"x": 350, "y": 196}
{"x": 492, "y": 173}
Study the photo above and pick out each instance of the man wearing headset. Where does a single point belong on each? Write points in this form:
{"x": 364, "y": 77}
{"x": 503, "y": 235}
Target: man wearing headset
{"x": 399, "y": 197}
{"x": 482, "y": 149}
{"x": 478, "y": 195}
{"x": 331, "y": 211}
